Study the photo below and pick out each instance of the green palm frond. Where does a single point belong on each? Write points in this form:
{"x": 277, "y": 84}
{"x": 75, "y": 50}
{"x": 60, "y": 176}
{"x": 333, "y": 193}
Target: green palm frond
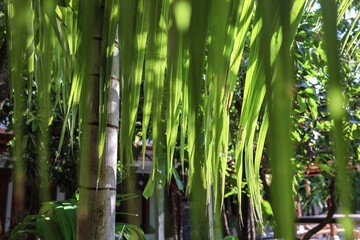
{"x": 132, "y": 51}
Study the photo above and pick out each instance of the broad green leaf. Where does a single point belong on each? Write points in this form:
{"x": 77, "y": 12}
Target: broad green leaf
{"x": 301, "y": 101}
{"x": 313, "y": 108}
{"x": 178, "y": 181}
{"x": 231, "y": 238}
{"x": 149, "y": 188}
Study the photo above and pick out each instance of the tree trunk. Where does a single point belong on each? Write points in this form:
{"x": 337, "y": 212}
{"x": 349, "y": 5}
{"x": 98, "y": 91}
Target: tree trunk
{"x": 332, "y": 207}
{"x": 97, "y": 197}
{"x": 247, "y": 226}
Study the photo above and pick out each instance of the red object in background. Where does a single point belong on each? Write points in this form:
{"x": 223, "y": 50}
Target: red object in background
{"x": 5, "y": 137}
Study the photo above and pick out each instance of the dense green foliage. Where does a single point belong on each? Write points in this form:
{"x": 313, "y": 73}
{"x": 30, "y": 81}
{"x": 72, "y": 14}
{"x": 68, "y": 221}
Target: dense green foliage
{"x": 58, "y": 220}
{"x": 312, "y": 132}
